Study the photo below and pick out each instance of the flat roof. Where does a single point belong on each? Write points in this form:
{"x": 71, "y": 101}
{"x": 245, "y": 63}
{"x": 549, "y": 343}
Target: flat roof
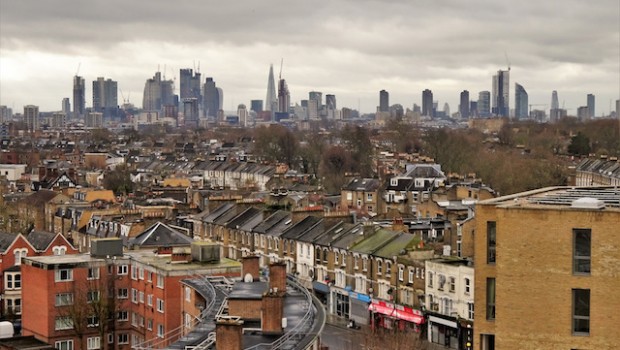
{"x": 560, "y": 198}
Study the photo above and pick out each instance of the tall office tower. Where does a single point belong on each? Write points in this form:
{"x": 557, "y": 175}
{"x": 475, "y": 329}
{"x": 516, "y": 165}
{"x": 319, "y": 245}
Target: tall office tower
{"x": 271, "y": 103}
{"x": 501, "y": 93}
{"x": 473, "y": 109}
{"x": 555, "y": 103}
{"x": 284, "y": 97}
{"x": 384, "y": 101}
{"x": 66, "y": 106}
{"x": 591, "y": 113}
{"x": 243, "y": 115}
{"x": 191, "y": 112}
{"x": 256, "y": 105}
{"x": 158, "y": 93}
{"x": 464, "y": 105}
{"x": 105, "y": 97}
{"x": 427, "y": 103}
{"x": 79, "y": 97}
{"x": 315, "y": 102}
{"x": 5, "y": 114}
{"x": 330, "y": 102}
{"x": 211, "y": 99}
{"x": 31, "y": 117}
{"x": 521, "y": 102}
{"x": 583, "y": 113}
{"x": 190, "y": 85}
{"x": 484, "y": 104}
{"x": 446, "y": 110}
{"x": 93, "y": 120}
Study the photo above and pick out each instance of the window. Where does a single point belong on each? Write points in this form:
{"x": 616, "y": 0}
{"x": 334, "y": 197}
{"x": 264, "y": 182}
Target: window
{"x": 63, "y": 323}
{"x": 92, "y": 321}
{"x": 188, "y": 294}
{"x": 430, "y": 279}
{"x": 160, "y": 281}
{"x": 401, "y": 273}
{"x": 93, "y": 343}
{"x": 160, "y": 305}
{"x": 336, "y": 255}
{"x": 410, "y": 276}
{"x": 343, "y": 260}
{"x": 64, "y": 275}
{"x": 452, "y": 284}
{"x": 470, "y": 311}
{"x": 123, "y": 293}
{"x": 121, "y": 270}
{"x": 582, "y": 249}
{"x": 149, "y": 276}
{"x": 149, "y": 324}
{"x": 64, "y": 345}
{"x": 388, "y": 268}
{"x": 491, "y": 242}
{"x": 141, "y": 297}
{"x": 134, "y": 272}
{"x": 14, "y": 305}
{"x": 149, "y": 300}
{"x": 356, "y": 263}
{"x": 63, "y": 299}
{"x": 364, "y": 264}
{"x": 368, "y": 197}
{"x": 141, "y": 273}
{"x": 93, "y": 273}
{"x": 59, "y": 250}
{"x": 122, "y": 315}
{"x": 13, "y": 280}
{"x": 123, "y": 338}
{"x": 160, "y": 330}
{"x": 467, "y": 286}
{"x": 92, "y": 295}
{"x": 490, "y": 298}
{"x": 134, "y": 295}
{"x": 379, "y": 267}
{"x": 19, "y": 254}
{"x": 581, "y": 311}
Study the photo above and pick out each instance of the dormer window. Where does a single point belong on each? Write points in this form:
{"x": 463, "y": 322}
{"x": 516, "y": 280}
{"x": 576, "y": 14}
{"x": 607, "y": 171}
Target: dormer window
{"x": 393, "y": 182}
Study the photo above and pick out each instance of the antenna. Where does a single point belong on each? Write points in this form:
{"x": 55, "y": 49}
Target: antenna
{"x": 164, "y": 72}
{"x": 507, "y": 60}
{"x": 281, "y": 64}
{"x": 198, "y": 69}
{"x": 78, "y": 69}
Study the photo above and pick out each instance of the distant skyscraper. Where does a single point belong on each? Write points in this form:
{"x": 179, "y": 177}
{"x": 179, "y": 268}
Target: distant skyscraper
{"x": 384, "y": 101}
{"x": 330, "y": 102}
{"x": 256, "y": 105}
{"x": 591, "y": 106}
{"x": 190, "y": 85}
{"x": 446, "y": 110}
{"x": 618, "y": 109}
{"x": 79, "y": 97}
{"x": 315, "y": 102}
{"x": 191, "y": 112}
{"x": 473, "y": 109}
{"x": 284, "y": 97}
{"x": 105, "y": 97}
{"x": 158, "y": 93}
{"x": 31, "y": 117}
{"x": 521, "y": 102}
{"x": 484, "y": 104}
{"x": 583, "y": 114}
{"x": 555, "y": 103}
{"x": 211, "y": 99}
{"x": 501, "y": 93}
{"x": 66, "y": 106}
{"x": 94, "y": 120}
{"x": 271, "y": 104}
{"x": 243, "y": 115}
{"x": 464, "y": 105}
{"x": 427, "y": 103}
{"x": 5, "y": 114}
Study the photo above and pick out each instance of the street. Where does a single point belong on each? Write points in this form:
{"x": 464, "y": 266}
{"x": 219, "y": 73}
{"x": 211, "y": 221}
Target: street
{"x": 340, "y": 338}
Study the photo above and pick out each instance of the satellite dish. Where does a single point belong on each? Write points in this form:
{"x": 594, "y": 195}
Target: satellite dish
{"x": 248, "y": 278}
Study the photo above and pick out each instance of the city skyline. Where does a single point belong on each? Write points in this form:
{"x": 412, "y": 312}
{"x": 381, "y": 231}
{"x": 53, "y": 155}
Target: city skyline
{"x": 561, "y": 48}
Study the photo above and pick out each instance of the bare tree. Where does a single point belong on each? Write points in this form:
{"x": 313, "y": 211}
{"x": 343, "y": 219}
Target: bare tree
{"x": 382, "y": 339}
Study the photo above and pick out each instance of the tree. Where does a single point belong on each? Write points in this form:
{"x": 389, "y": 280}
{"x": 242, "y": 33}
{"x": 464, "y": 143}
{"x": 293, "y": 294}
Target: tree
{"x": 357, "y": 140}
{"x": 579, "y": 145}
{"x": 336, "y": 162}
{"x": 118, "y": 180}
{"x": 276, "y": 143}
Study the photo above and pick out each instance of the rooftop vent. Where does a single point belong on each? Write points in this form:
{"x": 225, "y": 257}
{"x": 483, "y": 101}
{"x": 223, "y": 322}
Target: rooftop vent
{"x": 588, "y": 203}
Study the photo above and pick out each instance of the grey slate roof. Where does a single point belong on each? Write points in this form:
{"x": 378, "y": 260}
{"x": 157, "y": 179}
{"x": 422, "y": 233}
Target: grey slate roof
{"x": 274, "y": 225}
{"x": 40, "y": 240}
{"x": 5, "y": 240}
{"x": 160, "y": 235}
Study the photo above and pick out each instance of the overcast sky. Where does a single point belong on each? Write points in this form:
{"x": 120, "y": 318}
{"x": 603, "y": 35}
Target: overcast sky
{"x": 352, "y": 49}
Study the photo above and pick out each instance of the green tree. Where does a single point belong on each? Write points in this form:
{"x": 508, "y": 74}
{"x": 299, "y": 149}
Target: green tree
{"x": 118, "y": 180}
{"x": 579, "y": 144}
{"x": 357, "y": 141}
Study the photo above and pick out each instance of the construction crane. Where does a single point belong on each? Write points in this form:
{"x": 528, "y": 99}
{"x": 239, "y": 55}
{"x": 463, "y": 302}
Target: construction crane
{"x": 536, "y": 104}
{"x": 77, "y": 72}
{"x": 281, "y": 64}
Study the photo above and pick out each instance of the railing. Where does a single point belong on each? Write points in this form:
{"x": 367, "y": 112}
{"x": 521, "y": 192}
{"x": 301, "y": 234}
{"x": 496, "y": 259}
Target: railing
{"x": 292, "y": 337}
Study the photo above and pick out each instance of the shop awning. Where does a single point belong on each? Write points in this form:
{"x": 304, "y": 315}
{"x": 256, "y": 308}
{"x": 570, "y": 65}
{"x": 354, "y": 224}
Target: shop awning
{"x": 392, "y": 312}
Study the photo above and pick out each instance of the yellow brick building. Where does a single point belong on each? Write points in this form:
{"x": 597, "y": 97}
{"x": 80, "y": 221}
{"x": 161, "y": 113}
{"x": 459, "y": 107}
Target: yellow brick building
{"x": 547, "y": 270}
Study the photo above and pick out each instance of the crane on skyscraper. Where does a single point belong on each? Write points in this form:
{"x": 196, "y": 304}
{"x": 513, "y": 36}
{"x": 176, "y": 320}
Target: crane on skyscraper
{"x": 507, "y": 60}
{"x": 281, "y": 64}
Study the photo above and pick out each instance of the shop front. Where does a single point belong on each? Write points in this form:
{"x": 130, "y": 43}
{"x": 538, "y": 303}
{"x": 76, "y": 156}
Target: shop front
{"x": 393, "y": 316}
{"x": 321, "y": 290}
{"x": 359, "y": 308}
{"x": 340, "y": 302}
{"x": 443, "y": 331}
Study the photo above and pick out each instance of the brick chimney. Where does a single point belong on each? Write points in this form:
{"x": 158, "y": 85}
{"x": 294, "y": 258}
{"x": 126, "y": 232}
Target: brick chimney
{"x": 277, "y": 276}
{"x": 272, "y": 312}
{"x": 229, "y": 335}
{"x": 250, "y": 265}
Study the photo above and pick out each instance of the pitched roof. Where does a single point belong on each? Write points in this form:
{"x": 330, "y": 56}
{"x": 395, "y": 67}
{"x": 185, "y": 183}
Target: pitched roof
{"x": 160, "y": 235}
{"x": 39, "y": 198}
{"x": 6, "y": 239}
{"x": 40, "y": 240}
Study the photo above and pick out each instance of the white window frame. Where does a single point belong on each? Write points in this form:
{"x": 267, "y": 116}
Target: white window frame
{"x": 11, "y": 281}
{"x": 160, "y": 281}
{"x": 410, "y": 275}
{"x": 160, "y": 305}
{"x": 93, "y": 343}
{"x": 63, "y": 323}
{"x": 121, "y": 270}
{"x": 64, "y": 344}
{"x": 58, "y": 275}
{"x": 93, "y": 273}
{"x": 64, "y": 299}
{"x": 401, "y": 273}
{"x": 160, "y": 330}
